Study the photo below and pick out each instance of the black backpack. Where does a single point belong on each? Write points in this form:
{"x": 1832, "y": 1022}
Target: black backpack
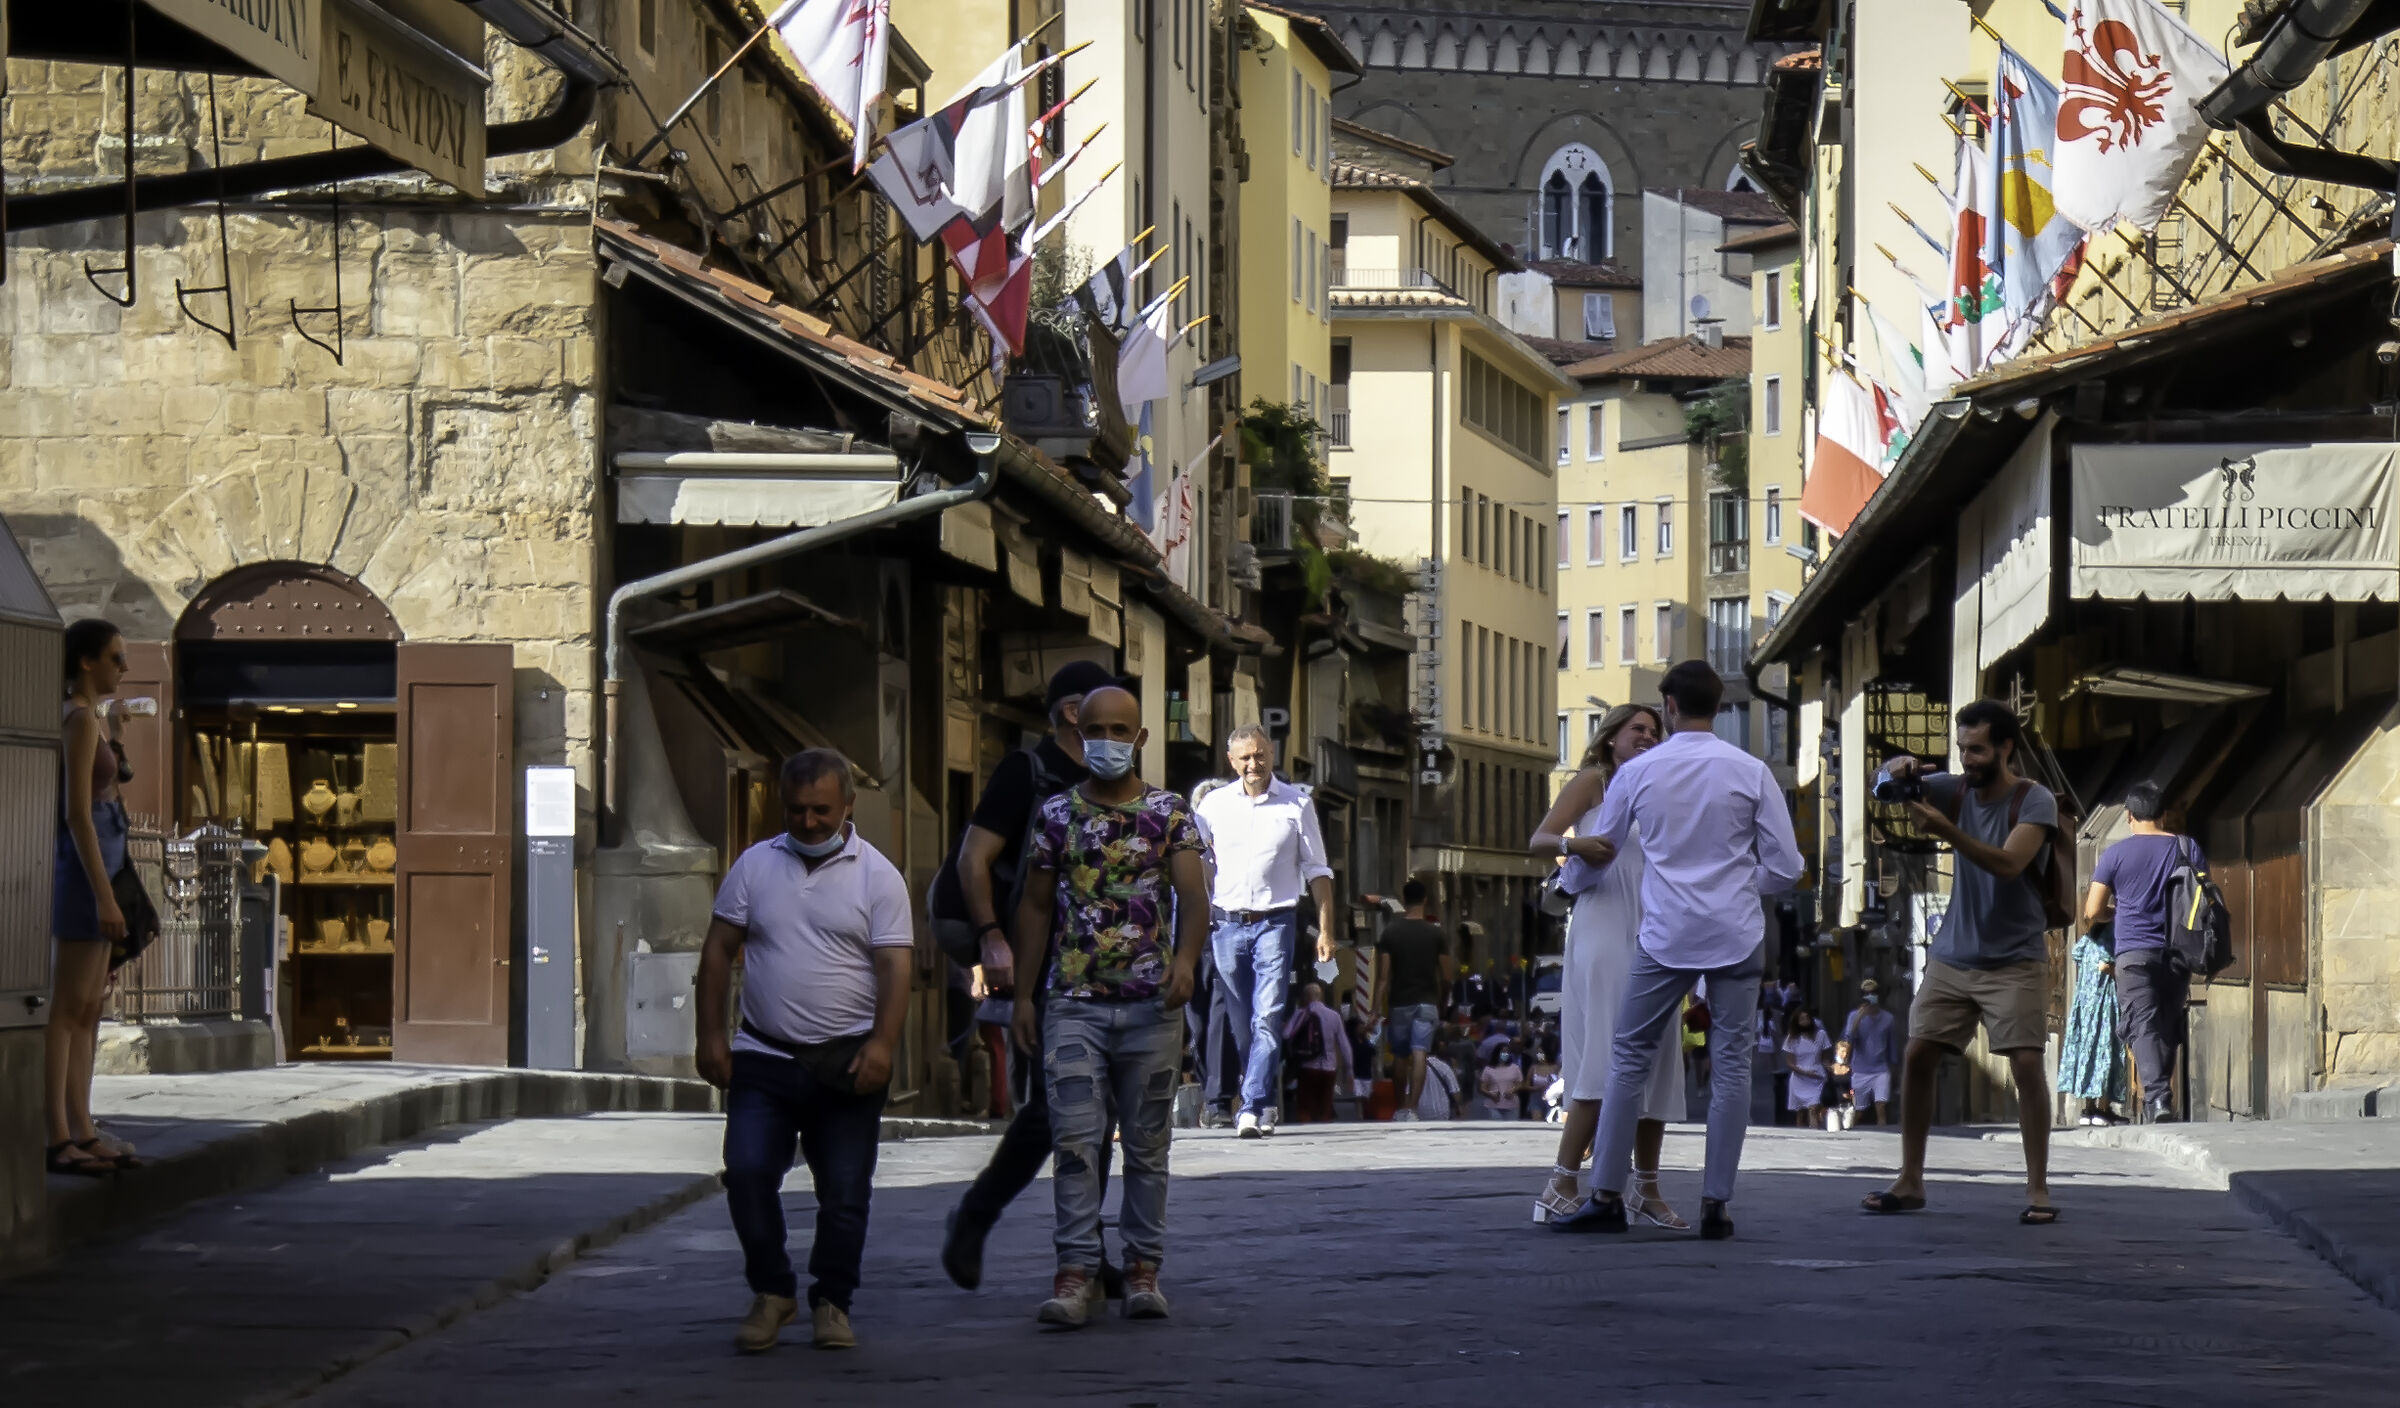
{"x": 946, "y": 902}
{"x": 1307, "y": 1041}
{"x": 2199, "y": 926}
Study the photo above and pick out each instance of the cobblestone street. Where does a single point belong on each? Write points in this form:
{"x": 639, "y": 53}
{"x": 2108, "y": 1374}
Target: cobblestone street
{"x": 1395, "y": 1265}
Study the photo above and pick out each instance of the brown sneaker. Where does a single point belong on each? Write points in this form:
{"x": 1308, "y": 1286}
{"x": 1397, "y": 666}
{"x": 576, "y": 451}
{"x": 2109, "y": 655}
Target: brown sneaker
{"x": 1143, "y": 1299}
{"x": 759, "y": 1329}
{"x": 833, "y": 1327}
{"x": 1074, "y": 1297}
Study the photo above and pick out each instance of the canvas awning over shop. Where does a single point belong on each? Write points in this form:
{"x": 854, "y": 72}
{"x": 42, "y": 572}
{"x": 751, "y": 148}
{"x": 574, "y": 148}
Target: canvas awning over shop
{"x": 1965, "y": 439}
{"x": 753, "y": 491}
{"x": 752, "y": 312}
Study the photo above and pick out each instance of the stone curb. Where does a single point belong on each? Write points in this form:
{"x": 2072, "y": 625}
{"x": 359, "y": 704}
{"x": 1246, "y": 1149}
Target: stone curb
{"x": 2375, "y": 1269}
{"x": 526, "y": 1277}
{"x": 270, "y": 1152}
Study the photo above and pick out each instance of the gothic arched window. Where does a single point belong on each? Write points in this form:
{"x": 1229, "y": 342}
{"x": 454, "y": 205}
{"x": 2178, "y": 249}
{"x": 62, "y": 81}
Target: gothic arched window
{"x": 1577, "y": 195}
{"x": 1591, "y": 220}
{"x": 1558, "y": 230}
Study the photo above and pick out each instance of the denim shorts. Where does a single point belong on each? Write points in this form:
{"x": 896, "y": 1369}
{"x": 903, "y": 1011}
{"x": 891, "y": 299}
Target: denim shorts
{"x": 1410, "y": 1029}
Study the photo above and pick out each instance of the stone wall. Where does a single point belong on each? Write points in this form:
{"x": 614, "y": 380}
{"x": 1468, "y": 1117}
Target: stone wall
{"x": 448, "y": 461}
{"x": 2355, "y": 899}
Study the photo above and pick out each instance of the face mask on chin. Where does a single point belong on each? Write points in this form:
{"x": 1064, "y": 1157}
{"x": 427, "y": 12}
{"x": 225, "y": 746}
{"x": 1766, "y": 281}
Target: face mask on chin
{"x": 1108, "y": 758}
{"x": 817, "y": 850}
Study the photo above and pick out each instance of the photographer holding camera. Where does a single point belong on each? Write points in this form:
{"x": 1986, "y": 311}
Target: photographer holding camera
{"x": 1989, "y": 962}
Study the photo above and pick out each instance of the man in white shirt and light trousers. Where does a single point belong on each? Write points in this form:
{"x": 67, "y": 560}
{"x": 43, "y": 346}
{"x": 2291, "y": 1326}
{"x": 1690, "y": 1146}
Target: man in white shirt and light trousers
{"x": 1264, "y": 847}
{"x": 1716, "y": 838}
{"x": 821, "y": 923}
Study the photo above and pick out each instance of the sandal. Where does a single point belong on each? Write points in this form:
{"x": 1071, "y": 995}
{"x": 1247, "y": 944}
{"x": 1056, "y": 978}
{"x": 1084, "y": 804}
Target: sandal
{"x": 2037, "y": 1215}
{"x": 55, "y": 1161}
{"x": 1891, "y": 1202}
{"x": 1550, "y": 1205}
{"x": 122, "y": 1159}
{"x": 1643, "y": 1201}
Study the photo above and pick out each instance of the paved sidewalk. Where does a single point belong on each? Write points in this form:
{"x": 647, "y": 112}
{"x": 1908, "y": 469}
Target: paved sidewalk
{"x": 2334, "y": 1186}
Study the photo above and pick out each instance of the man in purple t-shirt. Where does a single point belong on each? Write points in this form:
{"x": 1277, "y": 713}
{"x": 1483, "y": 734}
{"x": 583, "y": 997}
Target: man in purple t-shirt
{"x": 2133, "y": 875}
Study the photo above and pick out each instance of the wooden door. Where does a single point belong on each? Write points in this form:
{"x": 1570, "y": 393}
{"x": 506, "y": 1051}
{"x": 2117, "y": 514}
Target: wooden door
{"x": 150, "y": 742}
{"x": 457, "y": 843}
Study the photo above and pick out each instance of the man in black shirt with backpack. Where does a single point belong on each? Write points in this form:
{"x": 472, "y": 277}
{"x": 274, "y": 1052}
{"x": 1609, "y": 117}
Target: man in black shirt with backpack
{"x": 979, "y": 888}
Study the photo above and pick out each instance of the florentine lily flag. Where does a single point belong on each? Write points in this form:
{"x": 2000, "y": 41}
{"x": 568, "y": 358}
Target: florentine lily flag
{"x": 841, "y": 46}
{"x": 2040, "y": 250}
{"x": 2129, "y": 122}
{"x": 1850, "y": 439}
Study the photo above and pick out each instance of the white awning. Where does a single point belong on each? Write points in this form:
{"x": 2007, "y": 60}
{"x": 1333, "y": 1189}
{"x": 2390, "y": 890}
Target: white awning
{"x": 2219, "y": 522}
{"x": 753, "y": 490}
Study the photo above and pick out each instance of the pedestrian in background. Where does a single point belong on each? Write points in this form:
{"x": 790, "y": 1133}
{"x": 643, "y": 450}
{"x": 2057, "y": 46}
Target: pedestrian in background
{"x": 1318, "y": 1050}
{"x": 2152, "y": 990}
{"x": 1806, "y": 1052}
{"x": 1500, "y": 1083}
{"x": 1869, "y": 1050}
{"x": 1440, "y": 1096}
{"x": 820, "y": 922}
{"x": 1112, "y": 865}
{"x": 1264, "y": 850}
{"x": 1412, "y": 970}
{"x": 2091, "y": 1056}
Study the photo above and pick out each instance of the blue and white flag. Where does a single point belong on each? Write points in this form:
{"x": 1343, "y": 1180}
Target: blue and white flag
{"x": 2036, "y": 250}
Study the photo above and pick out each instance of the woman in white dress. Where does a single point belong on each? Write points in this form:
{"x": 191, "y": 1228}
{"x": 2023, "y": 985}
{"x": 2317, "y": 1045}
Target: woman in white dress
{"x": 1601, "y": 933}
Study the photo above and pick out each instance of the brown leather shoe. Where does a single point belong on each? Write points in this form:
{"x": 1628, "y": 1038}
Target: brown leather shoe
{"x": 764, "y": 1324}
{"x": 832, "y": 1327}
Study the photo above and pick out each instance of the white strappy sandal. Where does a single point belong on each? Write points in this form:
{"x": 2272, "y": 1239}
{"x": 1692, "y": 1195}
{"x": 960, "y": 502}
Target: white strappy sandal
{"x": 1642, "y": 1200}
{"x": 1550, "y": 1205}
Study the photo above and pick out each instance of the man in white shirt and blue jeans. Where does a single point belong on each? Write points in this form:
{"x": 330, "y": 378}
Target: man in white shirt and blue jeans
{"x": 1264, "y": 848}
{"x": 1716, "y": 840}
{"x": 820, "y": 921}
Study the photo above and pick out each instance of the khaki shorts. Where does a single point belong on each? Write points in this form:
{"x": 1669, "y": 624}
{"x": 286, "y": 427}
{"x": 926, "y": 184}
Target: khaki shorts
{"x": 2011, "y": 1002}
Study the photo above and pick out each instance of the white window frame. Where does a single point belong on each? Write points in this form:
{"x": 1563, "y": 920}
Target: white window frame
{"x": 1566, "y": 435}
{"x": 1629, "y": 533}
{"x": 1595, "y": 535}
{"x": 1662, "y": 626}
{"x": 1629, "y": 634}
{"x": 1595, "y": 636}
{"x": 1566, "y": 518}
{"x": 1777, "y": 604}
{"x": 1595, "y": 430}
{"x": 1312, "y": 127}
{"x": 1771, "y": 316}
{"x": 1665, "y": 538}
{"x": 1774, "y": 515}
{"x": 1296, "y": 139}
{"x": 1564, "y": 762}
{"x": 1770, "y": 406}
{"x": 1299, "y": 270}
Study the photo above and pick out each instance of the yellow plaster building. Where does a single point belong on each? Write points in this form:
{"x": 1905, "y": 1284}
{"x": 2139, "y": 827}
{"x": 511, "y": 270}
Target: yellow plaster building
{"x": 1287, "y": 75}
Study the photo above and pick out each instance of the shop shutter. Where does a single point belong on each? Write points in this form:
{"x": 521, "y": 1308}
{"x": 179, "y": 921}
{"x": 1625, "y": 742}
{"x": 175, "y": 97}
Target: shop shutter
{"x": 457, "y": 843}
{"x": 150, "y": 742}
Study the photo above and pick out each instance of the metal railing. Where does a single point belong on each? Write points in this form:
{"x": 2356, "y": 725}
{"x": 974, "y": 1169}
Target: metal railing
{"x": 1337, "y": 427}
{"x": 1271, "y": 520}
{"x": 192, "y": 969}
{"x": 1728, "y": 557}
{"x": 1347, "y": 277}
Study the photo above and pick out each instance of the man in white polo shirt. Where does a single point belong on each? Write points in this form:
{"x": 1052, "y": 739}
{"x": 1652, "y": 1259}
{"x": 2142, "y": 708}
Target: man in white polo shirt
{"x": 820, "y": 922}
{"x": 1264, "y": 847}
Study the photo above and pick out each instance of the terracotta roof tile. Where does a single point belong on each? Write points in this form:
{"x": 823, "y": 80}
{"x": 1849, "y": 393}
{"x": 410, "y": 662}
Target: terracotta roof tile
{"x": 1766, "y": 238}
{"x": 1575, "y": 273}
{"x": 1671, "y": 357}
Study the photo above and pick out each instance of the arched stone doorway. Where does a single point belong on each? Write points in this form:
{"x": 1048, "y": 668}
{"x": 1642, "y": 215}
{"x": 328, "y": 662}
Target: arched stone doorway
{"x": 377, "y": 773}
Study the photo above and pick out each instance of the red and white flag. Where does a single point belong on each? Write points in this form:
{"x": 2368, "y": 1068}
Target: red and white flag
{"x": 841, "y": 46}
{"x": 2129, "y": 122}
{"x": 1850, "y": 439}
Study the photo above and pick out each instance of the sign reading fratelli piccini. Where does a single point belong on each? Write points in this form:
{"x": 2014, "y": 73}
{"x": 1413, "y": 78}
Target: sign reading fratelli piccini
{"x": 2217, "y": 522}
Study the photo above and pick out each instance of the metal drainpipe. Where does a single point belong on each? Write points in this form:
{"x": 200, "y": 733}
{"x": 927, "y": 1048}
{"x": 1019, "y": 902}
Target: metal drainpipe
{"x": 986, "y": 448}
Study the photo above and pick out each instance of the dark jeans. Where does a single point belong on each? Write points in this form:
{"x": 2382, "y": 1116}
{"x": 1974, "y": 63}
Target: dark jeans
{"x": 1024, "y": 1148}
{"x": 771, "y": 1106}
{"x": 2150, "y": 1000}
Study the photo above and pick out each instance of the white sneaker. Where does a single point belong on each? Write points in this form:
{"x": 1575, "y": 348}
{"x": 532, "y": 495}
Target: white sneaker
{"x": 1247, "y": 1126}
{"x": 1404, "y": 1117}
{"x": 1266, "y": 1121}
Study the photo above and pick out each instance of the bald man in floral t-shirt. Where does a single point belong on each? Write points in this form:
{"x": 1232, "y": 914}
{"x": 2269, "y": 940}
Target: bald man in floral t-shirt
{"x": 1112, "y": 861}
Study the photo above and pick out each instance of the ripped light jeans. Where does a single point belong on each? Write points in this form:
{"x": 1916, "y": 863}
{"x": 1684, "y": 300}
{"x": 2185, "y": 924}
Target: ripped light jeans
{"x": 1104, "y": 1063}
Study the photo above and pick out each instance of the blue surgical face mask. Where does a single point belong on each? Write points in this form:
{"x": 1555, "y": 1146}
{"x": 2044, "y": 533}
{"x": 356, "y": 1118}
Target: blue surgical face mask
{"x": 1869, "y": 998}
{"x": 816, "y": 850}
{"x": 1108, "y": 758}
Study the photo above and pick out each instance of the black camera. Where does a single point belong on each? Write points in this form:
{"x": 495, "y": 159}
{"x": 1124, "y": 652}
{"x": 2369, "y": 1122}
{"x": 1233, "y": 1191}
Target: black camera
{"x": 1899, "y": 789}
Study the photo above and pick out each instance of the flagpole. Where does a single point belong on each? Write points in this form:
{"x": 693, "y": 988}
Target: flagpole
{"x": 1920, "y": 230}
{"x": 702, "y": 91}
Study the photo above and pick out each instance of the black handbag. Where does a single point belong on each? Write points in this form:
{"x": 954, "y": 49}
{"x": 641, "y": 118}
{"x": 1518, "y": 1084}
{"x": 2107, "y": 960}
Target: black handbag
{"x": 141, "y": 916}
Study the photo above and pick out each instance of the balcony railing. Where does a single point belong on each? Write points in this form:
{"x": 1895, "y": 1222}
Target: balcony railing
{"x": 1728, "y": 557}
{"x": 1271, "y": 520}
{"x": 1347, "y": 277}
{"x": 1337, "y": 427}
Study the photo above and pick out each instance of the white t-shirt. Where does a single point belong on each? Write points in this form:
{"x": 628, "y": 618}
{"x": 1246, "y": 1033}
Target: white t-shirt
{"x": 1807, "y": 1050}
{"x": 808, "y": 960}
